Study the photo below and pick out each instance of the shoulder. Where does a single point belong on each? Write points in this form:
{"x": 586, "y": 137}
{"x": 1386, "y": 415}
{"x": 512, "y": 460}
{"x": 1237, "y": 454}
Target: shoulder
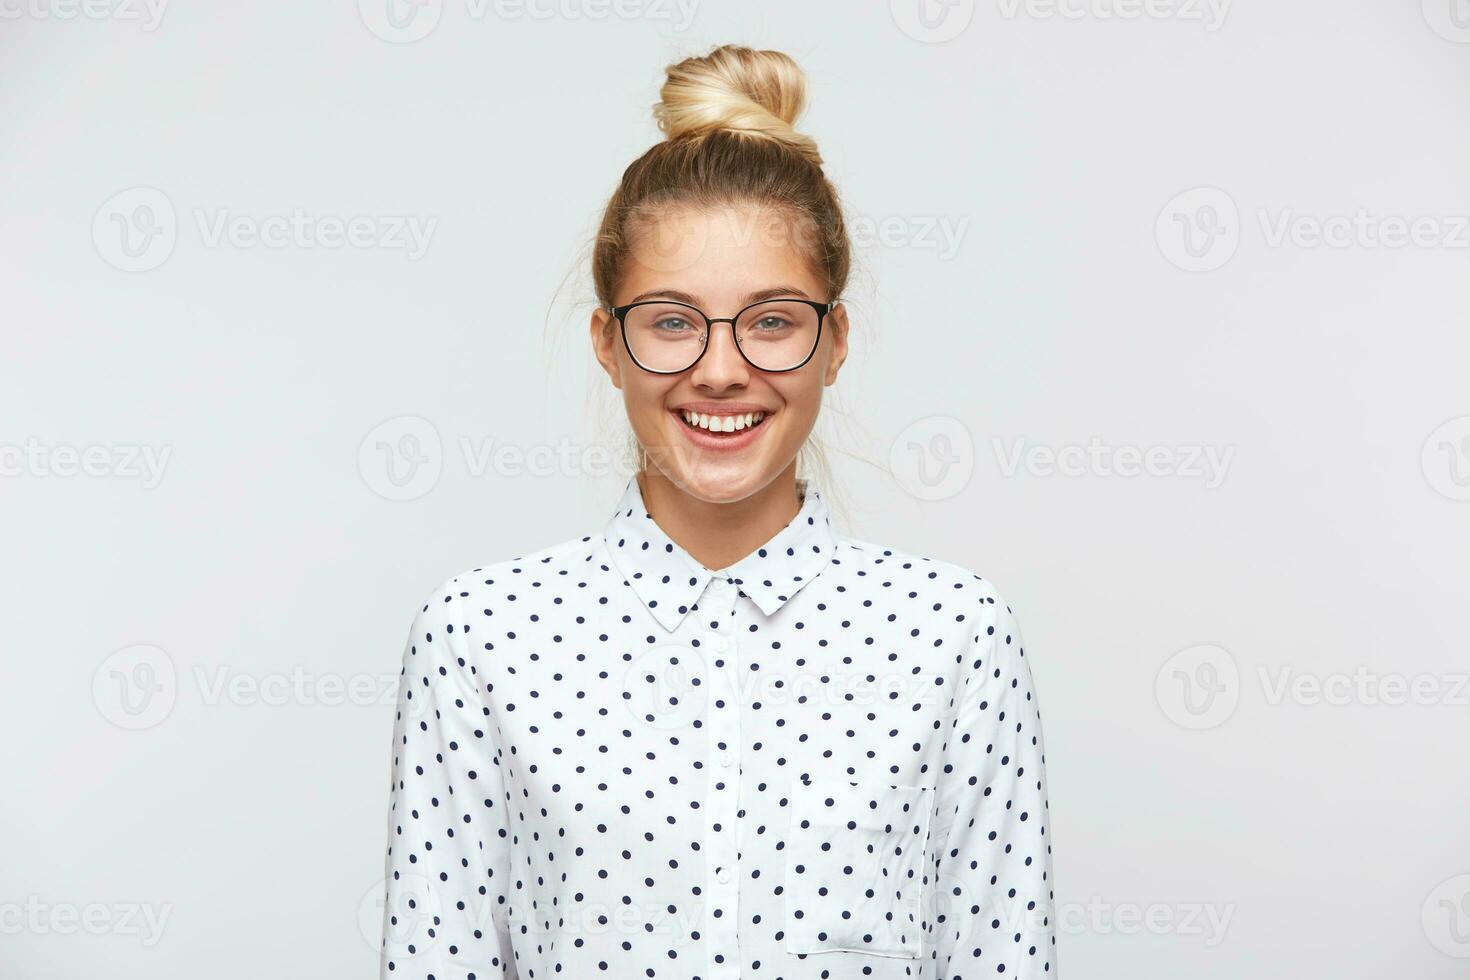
{"x": 444, "y": 602}
{"x": 981, "y": 615}
{"x": 945, "y": 580}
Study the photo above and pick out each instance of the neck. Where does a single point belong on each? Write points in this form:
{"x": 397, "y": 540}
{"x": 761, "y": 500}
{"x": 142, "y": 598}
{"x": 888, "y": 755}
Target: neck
{"x": 720, "y": 534}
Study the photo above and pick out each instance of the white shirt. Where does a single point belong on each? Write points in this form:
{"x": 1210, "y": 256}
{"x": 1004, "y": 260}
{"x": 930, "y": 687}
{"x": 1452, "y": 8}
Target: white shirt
{"x": 824, "y": 761}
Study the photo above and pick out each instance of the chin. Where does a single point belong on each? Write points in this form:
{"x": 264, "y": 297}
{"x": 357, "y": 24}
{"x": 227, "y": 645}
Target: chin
{"x": 711, "y": 475}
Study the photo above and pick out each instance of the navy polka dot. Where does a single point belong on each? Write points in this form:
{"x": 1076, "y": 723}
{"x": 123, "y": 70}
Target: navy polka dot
{"x": 824, "y": 761}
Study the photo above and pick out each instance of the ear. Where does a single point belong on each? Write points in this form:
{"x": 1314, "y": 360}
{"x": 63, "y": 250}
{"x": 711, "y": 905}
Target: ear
{"x": 604, "y": 344}
{"x": 836, "y": 325}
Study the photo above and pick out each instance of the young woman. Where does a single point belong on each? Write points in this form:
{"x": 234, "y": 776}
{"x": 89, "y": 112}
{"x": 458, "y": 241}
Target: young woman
{"x": 717, "y": 738}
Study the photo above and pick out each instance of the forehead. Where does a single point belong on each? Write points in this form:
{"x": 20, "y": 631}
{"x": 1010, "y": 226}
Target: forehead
{"x": 720, "y": 254}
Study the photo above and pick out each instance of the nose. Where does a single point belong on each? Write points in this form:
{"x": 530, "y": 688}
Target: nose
{"x": 722, "y": 365}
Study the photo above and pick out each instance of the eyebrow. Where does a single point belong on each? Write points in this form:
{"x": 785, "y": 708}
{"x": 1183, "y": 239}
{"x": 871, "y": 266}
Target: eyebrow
{"x": 755, "y": 297}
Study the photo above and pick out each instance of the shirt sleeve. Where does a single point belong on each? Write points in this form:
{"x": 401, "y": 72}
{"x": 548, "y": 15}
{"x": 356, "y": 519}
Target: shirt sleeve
{"x": 995, "y": 914}
{"x": 448, "y": 861}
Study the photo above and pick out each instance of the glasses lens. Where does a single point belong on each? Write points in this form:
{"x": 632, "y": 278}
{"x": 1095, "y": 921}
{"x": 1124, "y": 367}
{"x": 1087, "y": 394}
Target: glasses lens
{"x": 778, "y": 335}
{"x": 665, "y": 336}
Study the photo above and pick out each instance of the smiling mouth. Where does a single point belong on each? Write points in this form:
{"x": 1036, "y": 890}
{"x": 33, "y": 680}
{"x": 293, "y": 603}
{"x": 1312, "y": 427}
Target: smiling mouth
{"x": 722, "y": 424}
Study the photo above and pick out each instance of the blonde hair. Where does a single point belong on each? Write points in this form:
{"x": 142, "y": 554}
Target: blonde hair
{"x": 728, "y": 120}
{"x": 727, "y": 117}
{"x": 733, "y": 88}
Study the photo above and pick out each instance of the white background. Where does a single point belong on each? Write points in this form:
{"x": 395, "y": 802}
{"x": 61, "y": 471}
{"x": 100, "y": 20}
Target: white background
{"x": 1014, "y": 172}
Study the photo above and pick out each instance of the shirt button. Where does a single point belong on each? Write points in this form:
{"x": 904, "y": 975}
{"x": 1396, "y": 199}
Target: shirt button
{"x": 726, "y": 759}
{"x": 724, "y": 876}
{"x": 719, "y": 643}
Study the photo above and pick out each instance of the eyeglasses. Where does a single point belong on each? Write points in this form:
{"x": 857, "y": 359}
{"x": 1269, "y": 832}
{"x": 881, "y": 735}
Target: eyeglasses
{"x": 774, "y": 335}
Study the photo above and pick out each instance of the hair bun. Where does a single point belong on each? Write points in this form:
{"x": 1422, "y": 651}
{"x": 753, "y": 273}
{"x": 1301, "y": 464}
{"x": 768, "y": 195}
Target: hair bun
{"x": 737, "y": 89}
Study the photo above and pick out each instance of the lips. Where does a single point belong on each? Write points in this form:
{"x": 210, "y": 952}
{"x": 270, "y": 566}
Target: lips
{"x": 721, "y": 431}
{"x": 720, "y": 423}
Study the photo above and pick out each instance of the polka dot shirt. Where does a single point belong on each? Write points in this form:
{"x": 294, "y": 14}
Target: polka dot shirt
{"x": 824, "y": 761}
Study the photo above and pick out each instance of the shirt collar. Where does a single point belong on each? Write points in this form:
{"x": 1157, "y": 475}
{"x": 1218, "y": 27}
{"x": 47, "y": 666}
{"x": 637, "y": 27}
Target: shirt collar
{"x": 669, "y": 580}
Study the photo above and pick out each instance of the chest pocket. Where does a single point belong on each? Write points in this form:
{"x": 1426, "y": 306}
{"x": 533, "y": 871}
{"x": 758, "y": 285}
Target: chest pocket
{"x": 855, "y": 866}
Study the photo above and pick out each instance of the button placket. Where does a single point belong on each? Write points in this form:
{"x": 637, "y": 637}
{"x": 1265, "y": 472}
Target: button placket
{"x": 723, "y": 798}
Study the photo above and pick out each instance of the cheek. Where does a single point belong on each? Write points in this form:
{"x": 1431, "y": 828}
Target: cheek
{"x": 803, "y": 396}
{"x": 643, "y": 396}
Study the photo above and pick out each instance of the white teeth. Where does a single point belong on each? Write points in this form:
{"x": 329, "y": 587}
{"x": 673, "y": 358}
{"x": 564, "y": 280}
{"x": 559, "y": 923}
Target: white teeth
{"x": 723, "y": 423}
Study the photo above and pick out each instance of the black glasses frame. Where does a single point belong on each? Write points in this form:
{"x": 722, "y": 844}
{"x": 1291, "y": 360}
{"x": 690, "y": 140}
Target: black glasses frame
{"x": 709, "y": 328}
